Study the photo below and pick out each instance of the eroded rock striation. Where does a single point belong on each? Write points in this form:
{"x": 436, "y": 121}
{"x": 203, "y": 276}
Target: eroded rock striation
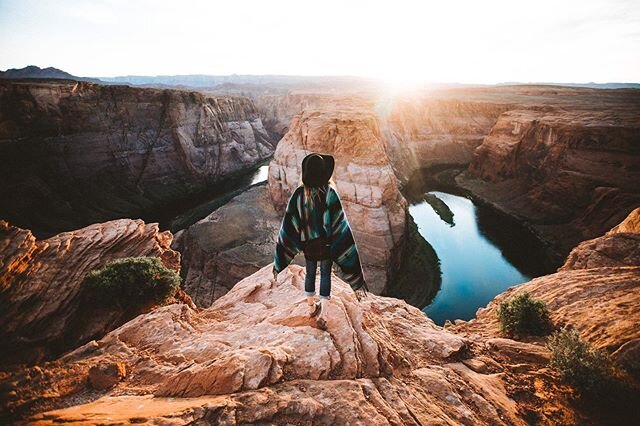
{"x": 86, "y": 153}
{"x": 255, "y": 356}
{"x": 572, "y": 174}
{"x": 42, "y": 309}
{"x": 277, "y": 111}
{"x": 427, "y": 131}
{"x": 364, "y": 179}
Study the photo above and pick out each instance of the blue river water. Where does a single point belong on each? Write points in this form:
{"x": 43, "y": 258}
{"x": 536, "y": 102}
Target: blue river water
{"x": 474, "y": 269}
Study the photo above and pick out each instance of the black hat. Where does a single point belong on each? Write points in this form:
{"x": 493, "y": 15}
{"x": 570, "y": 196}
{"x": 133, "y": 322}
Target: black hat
{"x": 317, "y": 169}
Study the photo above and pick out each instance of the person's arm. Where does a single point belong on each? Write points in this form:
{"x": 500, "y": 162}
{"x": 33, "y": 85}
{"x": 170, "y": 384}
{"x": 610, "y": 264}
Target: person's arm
{"x": 344, "y": 251}
{"x": 288, "y": 243}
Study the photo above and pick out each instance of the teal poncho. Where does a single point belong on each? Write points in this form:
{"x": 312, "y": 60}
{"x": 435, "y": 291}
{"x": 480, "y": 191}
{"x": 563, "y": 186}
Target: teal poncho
{"x": 343, "y": 247}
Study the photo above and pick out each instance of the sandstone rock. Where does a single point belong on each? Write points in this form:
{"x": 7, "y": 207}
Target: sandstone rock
{"x": 618, "y": 247}
{"x": 254, "y": 356}
{"x": 425, "y": 131}
{"x": 364, "y": 177}
{"x": 518, "y": 351}
{"x": 231, "y": 243}
{"x": 41, "y": 303}
{"x": 86, "y": 153}
{"x": 277, "y": 111}
{"x": 107, "y": 374}
{"x": 630, "y": 225}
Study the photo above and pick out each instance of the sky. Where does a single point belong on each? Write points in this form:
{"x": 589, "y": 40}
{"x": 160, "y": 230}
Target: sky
{"x": 479, "y": 41}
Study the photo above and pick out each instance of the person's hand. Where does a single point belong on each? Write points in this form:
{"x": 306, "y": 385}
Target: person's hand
{"x": 361, "y": 293}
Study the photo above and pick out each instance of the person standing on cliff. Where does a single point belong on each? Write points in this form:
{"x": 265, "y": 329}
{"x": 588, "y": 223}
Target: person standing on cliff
{"x": 315, "y": 223}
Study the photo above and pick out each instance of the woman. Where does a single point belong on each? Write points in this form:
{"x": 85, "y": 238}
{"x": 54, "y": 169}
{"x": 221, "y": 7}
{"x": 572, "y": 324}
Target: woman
{"x": 315, "y": 223}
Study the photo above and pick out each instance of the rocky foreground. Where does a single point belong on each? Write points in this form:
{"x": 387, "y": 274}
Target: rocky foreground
{"x": 254, "y": 356}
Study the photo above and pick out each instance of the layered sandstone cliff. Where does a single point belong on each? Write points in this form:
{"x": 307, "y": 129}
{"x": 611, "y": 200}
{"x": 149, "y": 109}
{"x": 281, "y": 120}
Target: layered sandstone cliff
{"x": 42, "y": 310}
{"x": 364, "y": 179}
{"x": 427, "y": 131}
{"x": 277, "y": 111}
{"x": 572, "y": 174}
{"x": 85, "y": 152}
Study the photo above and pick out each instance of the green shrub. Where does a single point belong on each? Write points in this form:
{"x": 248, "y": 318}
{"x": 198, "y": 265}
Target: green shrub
{"x": 524, "y": 316}
{"x": 588, "y": 369}
{"x": 132, "y": 281}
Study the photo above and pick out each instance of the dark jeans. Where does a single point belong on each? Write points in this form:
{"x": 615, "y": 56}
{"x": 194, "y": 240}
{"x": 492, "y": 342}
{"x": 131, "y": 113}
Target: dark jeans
{"x": 325, "y": 278}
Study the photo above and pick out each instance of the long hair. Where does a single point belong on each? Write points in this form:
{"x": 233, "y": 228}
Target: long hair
{"x": 311, "y": 193}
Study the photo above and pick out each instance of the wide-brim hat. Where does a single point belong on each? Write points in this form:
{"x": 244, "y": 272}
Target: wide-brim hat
{"x": 317, "y": 169}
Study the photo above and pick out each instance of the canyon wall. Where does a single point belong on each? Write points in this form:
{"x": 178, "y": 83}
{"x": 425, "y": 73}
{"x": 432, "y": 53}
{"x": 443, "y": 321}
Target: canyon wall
{"x": 572, "y": 174}
{"x": 84, "y": 152}
{"x": 419, "y": 131}
{"x": 230, "y": 244}
{"x": 428, "y": 131}
{"x": 364, "y": 179}
{"x": 42, "y": 309}
{"x": 277, "y": 111}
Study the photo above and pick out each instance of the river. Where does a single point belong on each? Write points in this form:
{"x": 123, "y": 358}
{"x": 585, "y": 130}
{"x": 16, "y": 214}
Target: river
{"x": 478, "y": 253}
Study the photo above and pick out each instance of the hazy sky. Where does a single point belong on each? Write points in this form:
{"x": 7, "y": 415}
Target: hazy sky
{"x": 478, "y": 41}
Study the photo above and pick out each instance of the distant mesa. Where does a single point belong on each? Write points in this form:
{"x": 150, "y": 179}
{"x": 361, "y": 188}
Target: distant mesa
{"x": 34, "y": 72}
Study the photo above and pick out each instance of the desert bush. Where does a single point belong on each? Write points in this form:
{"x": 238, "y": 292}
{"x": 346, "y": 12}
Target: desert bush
{"x": 587, "y": 368}
{"x": 132, "y": 281}
{"x": 524, "y": 316}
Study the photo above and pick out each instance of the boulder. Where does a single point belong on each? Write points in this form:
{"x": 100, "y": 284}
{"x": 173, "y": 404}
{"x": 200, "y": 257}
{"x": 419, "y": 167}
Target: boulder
{"x": 43, "y": 311}
{"x": 107, "y": 374}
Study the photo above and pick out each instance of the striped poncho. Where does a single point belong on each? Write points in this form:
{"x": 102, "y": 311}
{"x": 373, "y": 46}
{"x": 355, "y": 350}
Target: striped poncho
{"x": 343, "y": 247}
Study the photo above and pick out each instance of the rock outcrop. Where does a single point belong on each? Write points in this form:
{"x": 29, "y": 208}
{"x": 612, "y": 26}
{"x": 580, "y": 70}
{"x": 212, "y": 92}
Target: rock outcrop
{"x": 230, "y": 244}
{"x": 42, "y": 310}
{"x": 363, "y": 175}
{"x": 618, "y": 247}
{"x": 86, "y": 153}
{"x": 255, "y": 356}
